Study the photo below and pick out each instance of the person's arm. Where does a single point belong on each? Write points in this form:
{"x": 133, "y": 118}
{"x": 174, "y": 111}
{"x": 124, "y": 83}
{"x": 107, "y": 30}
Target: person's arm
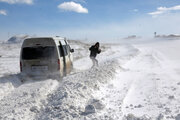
{"x": 99, "y": 51}
{"x": 90, "y": 48}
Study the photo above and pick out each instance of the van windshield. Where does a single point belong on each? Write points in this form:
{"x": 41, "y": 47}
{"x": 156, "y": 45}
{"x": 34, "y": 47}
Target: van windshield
{"x": 39, "y": 52}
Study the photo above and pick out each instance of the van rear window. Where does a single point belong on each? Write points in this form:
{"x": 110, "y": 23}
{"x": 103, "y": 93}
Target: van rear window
{"x": 39, "y": 52}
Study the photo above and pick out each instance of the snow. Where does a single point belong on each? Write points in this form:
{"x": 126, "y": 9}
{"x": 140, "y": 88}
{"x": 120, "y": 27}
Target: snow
{"x": 135, "y": 80}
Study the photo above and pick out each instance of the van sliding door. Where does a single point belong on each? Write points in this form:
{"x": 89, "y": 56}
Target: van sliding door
{"x": 68, "y": 58}
{"x": 62, "y": 54}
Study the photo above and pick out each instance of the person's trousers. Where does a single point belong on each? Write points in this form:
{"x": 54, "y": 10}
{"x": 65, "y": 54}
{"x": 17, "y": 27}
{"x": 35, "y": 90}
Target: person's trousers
{"x": 94, "y": 61}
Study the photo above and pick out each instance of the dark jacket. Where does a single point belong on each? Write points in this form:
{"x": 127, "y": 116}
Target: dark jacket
{"x": 94, "y": 51}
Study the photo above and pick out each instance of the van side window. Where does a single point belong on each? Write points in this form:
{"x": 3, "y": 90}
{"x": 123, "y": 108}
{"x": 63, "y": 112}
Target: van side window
{"x": 61, "y": 50}
{"x": 67, "y": 47}
{"x": 65, "y": 50}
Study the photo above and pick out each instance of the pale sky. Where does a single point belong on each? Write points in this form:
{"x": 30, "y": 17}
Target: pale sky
{"x": 89, "y": 19}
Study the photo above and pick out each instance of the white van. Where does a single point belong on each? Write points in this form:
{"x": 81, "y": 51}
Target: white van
{"x": 46, "y": 56}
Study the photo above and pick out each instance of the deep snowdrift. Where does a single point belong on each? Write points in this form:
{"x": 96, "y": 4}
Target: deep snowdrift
{"x": 138, "y": 81}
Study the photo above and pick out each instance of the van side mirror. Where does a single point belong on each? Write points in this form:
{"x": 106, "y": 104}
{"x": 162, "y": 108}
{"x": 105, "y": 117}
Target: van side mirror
{"x": 72, "y": 50}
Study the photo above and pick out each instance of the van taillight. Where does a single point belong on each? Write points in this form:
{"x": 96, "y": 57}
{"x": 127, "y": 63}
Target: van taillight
{"x": 20, "y": 66}
{"x": 58, "y": 64}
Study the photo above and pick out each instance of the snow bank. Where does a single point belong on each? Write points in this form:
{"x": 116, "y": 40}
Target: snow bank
{"x": 73, "y": 99}
{"x": 26, "y": 100}
{"x": 8, "y": 83}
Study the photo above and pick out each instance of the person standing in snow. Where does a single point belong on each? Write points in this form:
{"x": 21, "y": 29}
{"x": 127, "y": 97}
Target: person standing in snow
{"x": 94, "y": 50}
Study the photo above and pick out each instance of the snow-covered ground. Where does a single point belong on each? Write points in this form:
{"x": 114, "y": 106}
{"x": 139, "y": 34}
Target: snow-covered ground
{"x": 134, "y": 81}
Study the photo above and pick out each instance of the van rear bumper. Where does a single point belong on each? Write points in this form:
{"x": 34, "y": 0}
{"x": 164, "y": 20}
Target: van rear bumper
{"x": 54, "y": 75}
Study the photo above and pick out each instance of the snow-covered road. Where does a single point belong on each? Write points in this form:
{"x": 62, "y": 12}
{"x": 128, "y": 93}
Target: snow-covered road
{"x": 133, "y": 81}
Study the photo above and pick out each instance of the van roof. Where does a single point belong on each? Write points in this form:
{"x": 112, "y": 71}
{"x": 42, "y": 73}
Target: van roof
{"x": 56, "y": 37}
{"x": 28, "y": 41}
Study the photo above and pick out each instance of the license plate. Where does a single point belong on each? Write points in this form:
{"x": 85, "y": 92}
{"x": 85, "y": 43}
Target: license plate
{"x": 36, "y": 68}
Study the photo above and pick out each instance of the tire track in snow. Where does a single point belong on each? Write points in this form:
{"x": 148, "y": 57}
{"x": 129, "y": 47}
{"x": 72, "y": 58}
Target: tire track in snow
{"x": 143, "y": 97}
